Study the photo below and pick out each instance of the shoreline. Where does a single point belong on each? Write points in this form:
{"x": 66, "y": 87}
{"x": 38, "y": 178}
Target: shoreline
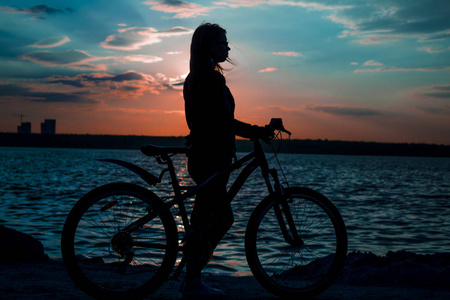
{"x": 49, "y": 280}
{"x": 397, "y": 275}
{"x": 300, "y": 146}
{"x": 28, "y": 273}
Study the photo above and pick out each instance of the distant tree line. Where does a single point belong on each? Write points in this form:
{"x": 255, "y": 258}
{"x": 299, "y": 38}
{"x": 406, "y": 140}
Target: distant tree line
{"x": 286, "y": 146}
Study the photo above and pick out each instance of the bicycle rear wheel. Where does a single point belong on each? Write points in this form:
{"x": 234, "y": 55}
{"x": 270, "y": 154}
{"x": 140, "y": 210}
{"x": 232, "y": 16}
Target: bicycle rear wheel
{"x": 294, "y": 269}
{"x": 107, "y": 262}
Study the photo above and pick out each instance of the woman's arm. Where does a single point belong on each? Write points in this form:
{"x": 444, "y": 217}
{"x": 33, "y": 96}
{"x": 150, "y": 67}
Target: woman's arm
{"x": 246, "y": 130}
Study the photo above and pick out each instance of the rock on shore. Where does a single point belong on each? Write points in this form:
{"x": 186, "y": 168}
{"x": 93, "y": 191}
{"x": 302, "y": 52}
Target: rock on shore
{"x": 401, "y": 268}
{"x": 16, "y": 246}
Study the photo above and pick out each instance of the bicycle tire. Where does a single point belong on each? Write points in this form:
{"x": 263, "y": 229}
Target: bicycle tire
{"x": 106, "y": 262}
{"x": 301, "y": 271}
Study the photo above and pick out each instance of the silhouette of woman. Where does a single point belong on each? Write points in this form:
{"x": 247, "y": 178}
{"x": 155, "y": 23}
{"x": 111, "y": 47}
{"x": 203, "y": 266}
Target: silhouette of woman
{"x": 209, "y": 108}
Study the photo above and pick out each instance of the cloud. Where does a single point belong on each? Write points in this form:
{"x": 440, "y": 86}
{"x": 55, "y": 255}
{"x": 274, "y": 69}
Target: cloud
{"x": 130, "y": 84}
{"x": 126, "y": 85}
{"x": 295, "y": 54}
{"x": 134, "y": 38}
{"x": 240, "y": 3}
{"x": 184, "y": 9}
{"x": 345, "y": 111}
{"x": 437, "y": 37}
{"x": 395, "y": 69}
{"x": 59, "y": 97}
{"x": 74, "y": 83}
{"x": 181, "y": 9}
{"x": 389, "y": 21}
{"x": 433, "y": 93}
{"x": 51, "y": 42}
{"x": 268, "y": 70}
{"x": 144, "y": 111}
{"x": 38, "y": 18}
{"x": 439, "y": 95}
{"x": 434, "y": 49}
{"x": 408, "y": 17}
{"x": 372, "y": 63}
{"x": 439, "y": 91}
{"x": 146, "y": 59}
{"x": 377, "y": 39}
{"x": 443, "y": 87}
{"x": 83, "y": 80}
{"x": 61, "y": 58}
{"x": 19, "y": 92}
{"x": 35, "y": 10}
{"x": 174, "y": 31}
{"x": 354, "y": 63}
{"x": 279, "y": 109}
{"x": 81, "y": 60}
{"x": 74, "y": 59}
{"x": 171, "y": 83}
{"x": 12, "y": 90}
{"x": 443, "y": 110}
{"x": 128, "y": 76}
{"x": 374, "y": 22}
{"x": 316, "y": 5}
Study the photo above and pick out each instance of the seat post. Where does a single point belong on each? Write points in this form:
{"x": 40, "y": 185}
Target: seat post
{"x": 176, "y": 188}
{"x": 173, "y": 175}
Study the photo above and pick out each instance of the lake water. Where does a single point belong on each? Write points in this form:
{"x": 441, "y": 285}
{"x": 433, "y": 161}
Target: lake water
{"x": 388, "y": 203}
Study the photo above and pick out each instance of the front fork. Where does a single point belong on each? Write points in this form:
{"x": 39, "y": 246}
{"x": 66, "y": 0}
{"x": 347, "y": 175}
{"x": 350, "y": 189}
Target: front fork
{"x": 283, "y": 212}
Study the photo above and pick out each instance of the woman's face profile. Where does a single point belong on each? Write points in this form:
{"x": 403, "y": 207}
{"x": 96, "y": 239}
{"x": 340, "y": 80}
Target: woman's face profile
{"x": 219, "y": 50}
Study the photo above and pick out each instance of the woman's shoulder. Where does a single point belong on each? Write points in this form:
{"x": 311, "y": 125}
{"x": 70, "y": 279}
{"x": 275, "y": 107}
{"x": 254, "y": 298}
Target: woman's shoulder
{"x": 219, "y": 76}
{"x": 216, "y": 77}
{"x": 212, "y": 74}
{"x": 210, "y": 77}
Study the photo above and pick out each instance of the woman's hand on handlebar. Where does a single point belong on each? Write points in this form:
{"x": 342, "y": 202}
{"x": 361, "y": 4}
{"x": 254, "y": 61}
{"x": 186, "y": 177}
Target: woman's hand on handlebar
{"x": 269, "y": 130}
{"x": 277, "y": 124}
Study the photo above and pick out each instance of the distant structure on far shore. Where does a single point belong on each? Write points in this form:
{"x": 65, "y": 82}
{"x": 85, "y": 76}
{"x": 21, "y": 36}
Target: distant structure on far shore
{"x": 24, "y": 127}
{"x": 48, "y": 127}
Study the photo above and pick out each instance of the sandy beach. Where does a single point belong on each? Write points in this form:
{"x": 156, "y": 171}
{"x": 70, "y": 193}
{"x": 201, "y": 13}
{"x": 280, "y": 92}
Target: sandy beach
{"x": 361, "y": 279}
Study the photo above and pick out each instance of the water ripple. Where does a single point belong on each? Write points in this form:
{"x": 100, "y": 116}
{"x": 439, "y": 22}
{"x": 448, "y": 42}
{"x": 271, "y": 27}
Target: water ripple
{"x": 388, "y": 203}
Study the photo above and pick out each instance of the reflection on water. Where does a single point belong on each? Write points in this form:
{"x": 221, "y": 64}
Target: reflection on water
{"x": 388, "y": 203}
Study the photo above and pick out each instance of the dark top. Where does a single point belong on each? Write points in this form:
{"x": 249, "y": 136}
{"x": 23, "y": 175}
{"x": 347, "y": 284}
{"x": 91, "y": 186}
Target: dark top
{"x": 209, "y": 107}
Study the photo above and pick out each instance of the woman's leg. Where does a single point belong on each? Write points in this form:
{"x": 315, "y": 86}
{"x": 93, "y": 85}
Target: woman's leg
{"x": 212, "y": 215}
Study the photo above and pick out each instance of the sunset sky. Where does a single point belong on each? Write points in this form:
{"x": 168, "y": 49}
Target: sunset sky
{"x": 352, "y": 70}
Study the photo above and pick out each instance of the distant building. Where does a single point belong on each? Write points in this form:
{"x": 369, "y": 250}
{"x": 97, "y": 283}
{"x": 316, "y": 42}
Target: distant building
{"x": 48, "y": 127}
{"x": 24, "y": 127}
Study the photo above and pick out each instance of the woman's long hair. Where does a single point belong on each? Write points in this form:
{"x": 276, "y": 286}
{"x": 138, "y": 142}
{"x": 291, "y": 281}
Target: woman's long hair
{"x": 204, "y": 37}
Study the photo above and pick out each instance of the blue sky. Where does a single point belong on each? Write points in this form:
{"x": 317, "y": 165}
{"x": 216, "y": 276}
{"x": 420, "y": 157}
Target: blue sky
{"x": 338, "y": 70}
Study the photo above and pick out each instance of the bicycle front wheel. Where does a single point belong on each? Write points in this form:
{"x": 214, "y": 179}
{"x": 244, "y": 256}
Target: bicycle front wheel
{"x": 302, "y": 268}
{"x": 106, "y": 261}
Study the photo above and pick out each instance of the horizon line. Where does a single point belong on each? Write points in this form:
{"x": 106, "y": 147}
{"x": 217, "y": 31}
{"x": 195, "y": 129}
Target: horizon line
{"x": 237, "y": 138}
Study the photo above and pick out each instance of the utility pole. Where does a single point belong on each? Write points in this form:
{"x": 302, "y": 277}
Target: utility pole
{"x": 21, "y": 116}
{"x": 23, "y": 127}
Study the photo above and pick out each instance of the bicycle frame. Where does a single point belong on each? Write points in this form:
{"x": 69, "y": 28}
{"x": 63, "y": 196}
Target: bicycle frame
{"x": 123, "y": 240}
{"x": 254, "y": 159}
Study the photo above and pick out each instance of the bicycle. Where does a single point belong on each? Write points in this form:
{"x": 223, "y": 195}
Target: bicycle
{"x": 121, "y": 240}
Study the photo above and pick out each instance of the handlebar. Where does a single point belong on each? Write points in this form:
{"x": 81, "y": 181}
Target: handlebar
{"x": 285, "y": 131}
